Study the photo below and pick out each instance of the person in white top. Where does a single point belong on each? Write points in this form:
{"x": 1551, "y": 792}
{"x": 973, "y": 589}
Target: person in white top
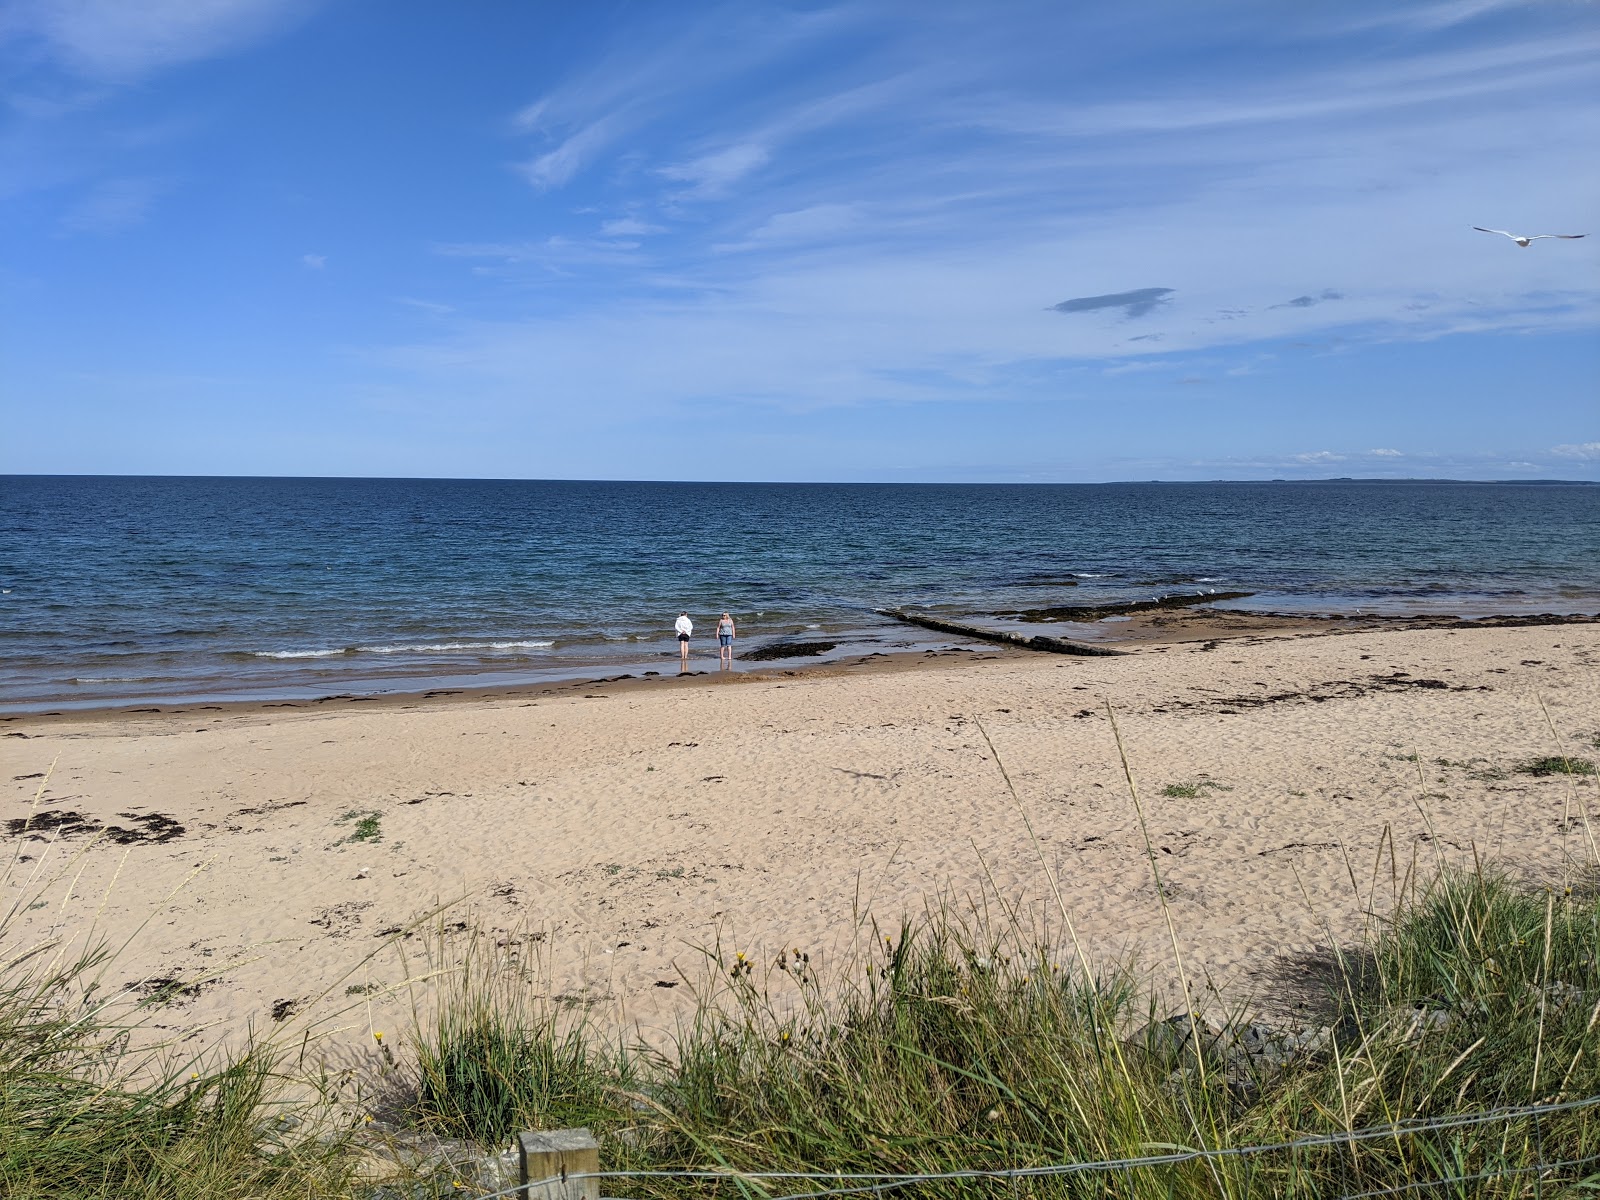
{"x": 685, "y": 627}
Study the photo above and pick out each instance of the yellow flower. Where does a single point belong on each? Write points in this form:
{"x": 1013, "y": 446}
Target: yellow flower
{"x": 377, "y": 1035}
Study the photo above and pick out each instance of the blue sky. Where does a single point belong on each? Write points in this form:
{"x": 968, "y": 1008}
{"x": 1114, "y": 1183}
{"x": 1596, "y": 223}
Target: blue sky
{"x": 895, "y": 241}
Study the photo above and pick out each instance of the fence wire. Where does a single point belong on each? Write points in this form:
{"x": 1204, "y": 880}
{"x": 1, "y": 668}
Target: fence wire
{"x": 1542, "y": 1168}
{"x": 855, "y": 1184}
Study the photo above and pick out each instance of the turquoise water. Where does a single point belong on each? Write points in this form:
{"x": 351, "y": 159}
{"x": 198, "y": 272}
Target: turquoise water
{"x": 124, "y": 589}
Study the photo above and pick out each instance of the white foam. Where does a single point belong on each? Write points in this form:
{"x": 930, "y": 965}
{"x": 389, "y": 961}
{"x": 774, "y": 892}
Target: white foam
{"x": 423, "y": 648}
{"x": 1089, "y": 575}
{"x": 109, "y": 679}
{"x": 442, "y": 647}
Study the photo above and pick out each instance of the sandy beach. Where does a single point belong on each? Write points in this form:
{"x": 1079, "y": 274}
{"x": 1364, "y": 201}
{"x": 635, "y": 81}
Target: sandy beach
{"x": 1286, "y": 781}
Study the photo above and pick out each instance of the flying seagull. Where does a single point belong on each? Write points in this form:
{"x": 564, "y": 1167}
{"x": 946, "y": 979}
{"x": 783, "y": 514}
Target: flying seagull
{"x": 1524, "y": 242}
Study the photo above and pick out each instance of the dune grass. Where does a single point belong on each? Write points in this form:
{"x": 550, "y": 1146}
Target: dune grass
{"x": 964, "y": 1039}
{"x": 949, "y": 1046}
{"x": 952, "y": 1042}
{"x": 93, "y": 1107}
{"x": 83, "y": 1115}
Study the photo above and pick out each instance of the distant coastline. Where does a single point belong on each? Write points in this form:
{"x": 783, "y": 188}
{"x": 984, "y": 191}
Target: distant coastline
{"x": 1387, "y": 479}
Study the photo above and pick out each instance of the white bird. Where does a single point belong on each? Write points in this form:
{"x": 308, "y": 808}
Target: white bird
{"x": 1524, "y": 242}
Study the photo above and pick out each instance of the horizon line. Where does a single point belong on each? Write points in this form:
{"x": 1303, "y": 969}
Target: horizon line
{"x": 799, "y": 482}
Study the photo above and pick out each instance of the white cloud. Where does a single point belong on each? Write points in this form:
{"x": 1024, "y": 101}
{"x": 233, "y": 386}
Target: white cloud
{"x": 1385, "y": 453}
{"x": 637, "y": 84}
{"x": 1414, "y": 80}
{"x": 557, "y": 167}
{"x": 553, "y": 253}
{"x": 712, "y": 174}
{"x": 1428, "y": 18}
{"x": 124, "y": 39}
{"x": 1319, "y": 456}
{"x": 801, "y": 225}
{"x": 629, "y": 227}
{"x": 1579, "y": 450}
{"x": 315, "y": 261}
{"x": 901, "y": 233}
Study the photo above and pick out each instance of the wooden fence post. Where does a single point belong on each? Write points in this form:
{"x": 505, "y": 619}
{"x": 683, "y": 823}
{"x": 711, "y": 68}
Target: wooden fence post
{"x": 555, "y": 1154}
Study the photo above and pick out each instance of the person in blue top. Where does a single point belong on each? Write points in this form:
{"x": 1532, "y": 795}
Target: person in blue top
{"x": 725, "y": 635}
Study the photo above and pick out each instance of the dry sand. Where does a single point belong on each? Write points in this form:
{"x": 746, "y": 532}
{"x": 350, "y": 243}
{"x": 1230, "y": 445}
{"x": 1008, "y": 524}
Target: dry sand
{"x": 629, "y": 824}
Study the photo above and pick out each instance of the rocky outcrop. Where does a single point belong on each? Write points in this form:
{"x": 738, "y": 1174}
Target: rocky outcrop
{"x": 1047, "y": 645}
{"x": 1096, "y": 612}
{"x": 774, "y": 651}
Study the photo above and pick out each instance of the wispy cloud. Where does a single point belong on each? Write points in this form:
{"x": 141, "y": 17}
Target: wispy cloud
{"x": 630, "y": 227}
{"x": 432, "y": 307}
{"x": 556, "y": 167}
{"x": 1415, "y": 80}
{"x": 114, "y": 205}
{"x": 556, "y": 253}
{"x": 712, "y": 174}
{"x": 870, "y": 231}
{"x": 126, "y": 39}
{"x": 636, "y": 84}
{"x": 1588, "y": 451}
{"x": 1425, "y": 18}
{"x": 820, "y": 221}
{"x": 314, "y": 261}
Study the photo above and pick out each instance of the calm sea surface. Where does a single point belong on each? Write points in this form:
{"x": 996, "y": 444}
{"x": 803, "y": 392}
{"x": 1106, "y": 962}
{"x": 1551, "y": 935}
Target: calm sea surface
{"x": 122, "y": 589}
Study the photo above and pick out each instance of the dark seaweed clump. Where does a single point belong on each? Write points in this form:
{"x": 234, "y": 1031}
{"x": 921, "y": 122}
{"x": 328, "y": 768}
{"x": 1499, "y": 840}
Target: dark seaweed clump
{"x": 779, "y": 650}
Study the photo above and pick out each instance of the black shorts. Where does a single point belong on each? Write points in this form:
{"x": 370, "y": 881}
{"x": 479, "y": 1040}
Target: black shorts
{"x": 683, "y": 637}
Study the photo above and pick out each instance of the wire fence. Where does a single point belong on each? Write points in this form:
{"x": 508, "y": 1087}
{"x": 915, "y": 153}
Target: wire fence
{"x": 1446, "y": 1175}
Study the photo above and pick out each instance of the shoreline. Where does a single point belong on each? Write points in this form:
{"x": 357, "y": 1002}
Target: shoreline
{"x": 622, "y": 827}
{"x": 1132, "y": 634}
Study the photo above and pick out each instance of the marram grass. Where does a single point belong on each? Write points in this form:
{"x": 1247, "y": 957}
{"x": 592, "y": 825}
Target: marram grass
{"x": 949, "y": 1047}
{"x": 84, "y": 1116}
{"x": 948, "y": 1043}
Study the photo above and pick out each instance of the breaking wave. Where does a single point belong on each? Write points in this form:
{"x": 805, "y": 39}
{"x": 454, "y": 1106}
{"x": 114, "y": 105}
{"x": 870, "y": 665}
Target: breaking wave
{"x": 422, "y": 648}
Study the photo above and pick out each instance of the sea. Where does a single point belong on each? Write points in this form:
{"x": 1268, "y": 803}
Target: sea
{"x": 128, "y": 590}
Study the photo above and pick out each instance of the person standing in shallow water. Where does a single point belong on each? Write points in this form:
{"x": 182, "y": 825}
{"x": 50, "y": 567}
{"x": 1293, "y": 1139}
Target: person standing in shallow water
{"x": 725, "y": 635}
{"x": 685, "y": 627}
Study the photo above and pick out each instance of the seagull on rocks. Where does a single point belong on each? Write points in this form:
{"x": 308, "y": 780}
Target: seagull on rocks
{"x": 1525, "y": 242}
